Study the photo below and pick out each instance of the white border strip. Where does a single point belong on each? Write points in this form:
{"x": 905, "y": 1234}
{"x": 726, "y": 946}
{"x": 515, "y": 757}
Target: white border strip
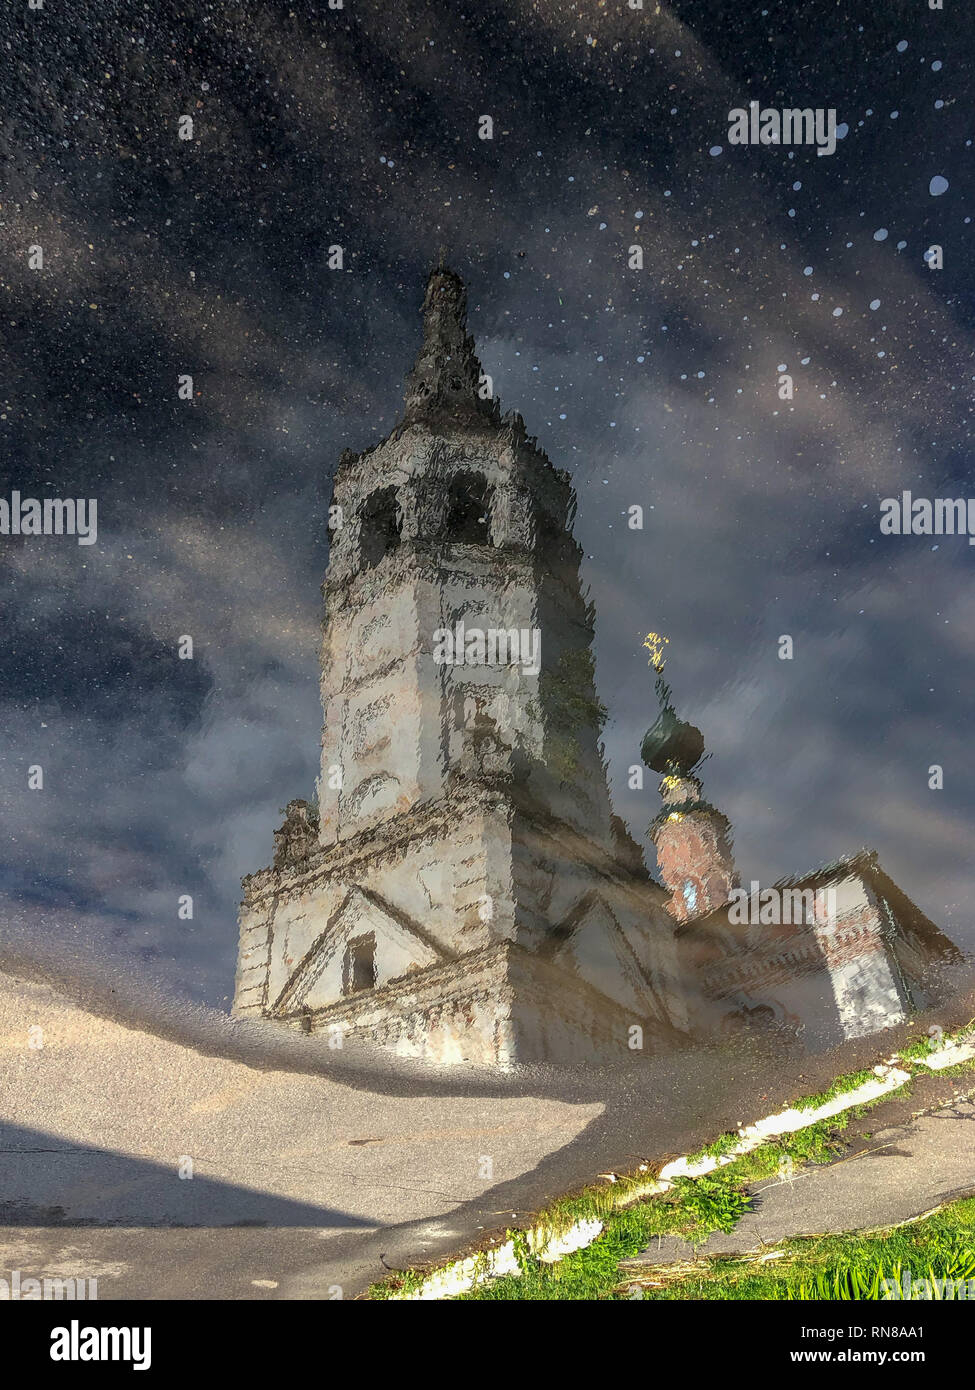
{"x": 953, "y": 1052}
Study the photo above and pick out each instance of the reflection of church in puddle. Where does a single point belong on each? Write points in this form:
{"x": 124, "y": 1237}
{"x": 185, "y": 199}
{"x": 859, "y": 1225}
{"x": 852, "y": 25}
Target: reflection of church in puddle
{"x": 464, "y": 890}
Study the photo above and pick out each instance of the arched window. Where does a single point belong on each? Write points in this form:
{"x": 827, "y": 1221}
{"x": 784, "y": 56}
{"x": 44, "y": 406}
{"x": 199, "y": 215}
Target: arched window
{"x": 468, "y": 509}
{"x": 380, "y": 524}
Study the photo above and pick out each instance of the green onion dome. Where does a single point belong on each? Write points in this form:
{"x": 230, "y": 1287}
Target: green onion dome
{"x": 671, "y": 746}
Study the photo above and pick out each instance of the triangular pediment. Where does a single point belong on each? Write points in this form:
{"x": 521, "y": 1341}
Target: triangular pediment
{"x": 589, "y": 942}
{"x": 400, "y": 946}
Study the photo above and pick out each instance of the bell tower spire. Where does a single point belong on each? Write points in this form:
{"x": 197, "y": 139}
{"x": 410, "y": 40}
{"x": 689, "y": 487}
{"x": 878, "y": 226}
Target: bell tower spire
{"x": 445, "y": 385}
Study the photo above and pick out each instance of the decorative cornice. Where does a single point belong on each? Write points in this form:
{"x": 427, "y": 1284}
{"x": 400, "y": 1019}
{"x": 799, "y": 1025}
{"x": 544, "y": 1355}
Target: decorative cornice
{"x": 803, "y": 952}
{"x": 432, "y": 820}
{"x": 399, "y": 833}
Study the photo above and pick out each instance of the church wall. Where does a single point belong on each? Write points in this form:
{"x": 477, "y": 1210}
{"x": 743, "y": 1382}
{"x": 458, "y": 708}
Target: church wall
{"x": 868, "y": 994}
{"x": 648, "y": 929}
{"x": 451, "y": 876}
{"x": 298, "y": 919}
{"x": 453, "y": 1014}
{"x": 373, "y": 717}
{"x": 466, "y": 886}
{"x": 834, "y": 980}
{"x": 868, "y": 988}
{"x": 252, "y": 958}
{"x": 570, "y": 776}
{"x": 497, "y": 1007}
{"x": 569, "y": 886}
{"x": 555, "y": 1021}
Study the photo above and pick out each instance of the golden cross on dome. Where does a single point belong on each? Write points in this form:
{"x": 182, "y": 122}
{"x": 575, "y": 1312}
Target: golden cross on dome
{"x": 655, "y": 644}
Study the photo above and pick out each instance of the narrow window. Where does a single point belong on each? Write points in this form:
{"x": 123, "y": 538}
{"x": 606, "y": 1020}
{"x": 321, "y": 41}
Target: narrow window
{"x": 359, "y": 970}
{"x": 690, "y": 896}
{"x": 380, "y": 524}
{"x": 468, "y": 509}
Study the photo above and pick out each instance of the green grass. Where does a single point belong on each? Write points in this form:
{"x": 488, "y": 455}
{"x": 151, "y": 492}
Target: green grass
{"x": 859, "y": 1281}
{"x": 718, "y": 1148}
{"x": 921, "y": 1046}
{"x": 711, "y": 1204}
{"x": 839, "y": 1087}
{"x": 830, "y": 1267}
